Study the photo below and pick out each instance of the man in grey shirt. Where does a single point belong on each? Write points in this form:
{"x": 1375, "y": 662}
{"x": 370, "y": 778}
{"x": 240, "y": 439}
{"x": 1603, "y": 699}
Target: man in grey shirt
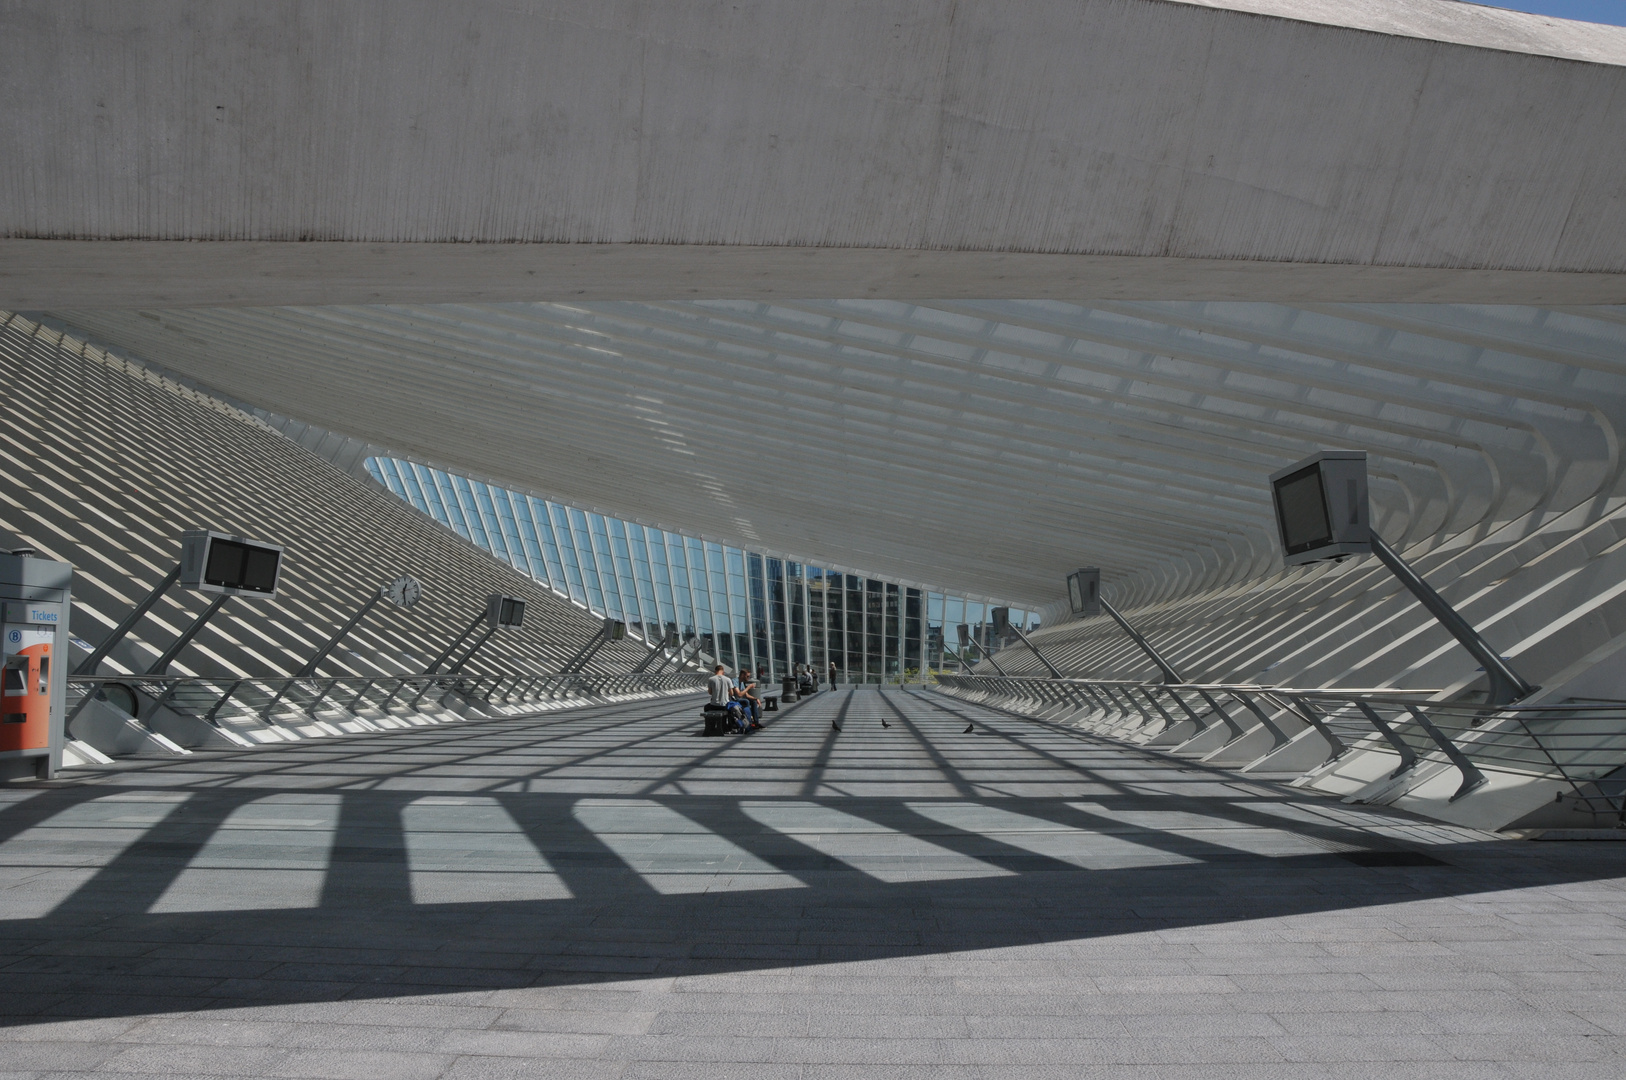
{"x": 720, "y": 687}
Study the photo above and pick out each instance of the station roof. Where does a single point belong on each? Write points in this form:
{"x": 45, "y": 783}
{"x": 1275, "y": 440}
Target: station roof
{"x": 419, "y": 152}
{"x": 990, "y": 446}
{"x": 961, "y": 294}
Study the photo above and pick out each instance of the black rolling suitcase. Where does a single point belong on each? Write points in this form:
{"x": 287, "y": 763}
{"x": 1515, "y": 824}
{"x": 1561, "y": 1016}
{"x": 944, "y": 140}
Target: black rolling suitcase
{"x": 716, "y": 719}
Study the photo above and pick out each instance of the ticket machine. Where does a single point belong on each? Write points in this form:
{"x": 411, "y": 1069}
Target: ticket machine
{"x": 35, "y": 601}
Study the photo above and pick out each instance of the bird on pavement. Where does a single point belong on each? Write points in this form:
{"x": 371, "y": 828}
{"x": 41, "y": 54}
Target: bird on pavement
{"x": 968, "y": 729}
{"x": 884, "y": 723}
{"x": 835, "y": 725}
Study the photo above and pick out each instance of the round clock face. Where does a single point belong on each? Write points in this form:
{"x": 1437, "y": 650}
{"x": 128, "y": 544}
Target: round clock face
{"x": 403, "y": 591}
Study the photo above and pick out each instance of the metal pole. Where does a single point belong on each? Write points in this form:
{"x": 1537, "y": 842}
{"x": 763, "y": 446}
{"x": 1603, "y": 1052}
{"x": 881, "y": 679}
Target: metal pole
{"x": 1054, "y": 674}
{"x": 186, "y": 636}
{"x": 590, "y": 650}
{"x": 455, "y": 668}
{"x": 665, "y": 659}
{"x": 1310, "y": 713}
{"x": 1408, "y": 756}
{"x": 88, "y": 665}
{"x": 215, "y": 711}
{"x": 321, "y": 654}
{"x": 570, "y": 665}
{"x": 319, "y": 698}
{"x": 677, "y": 656}
{"x": 1471, "y": 776}
{"x": 461, "y": 638}
{"x": 988, "y": 656}
{"x": 1505, "y": 684}
{"x": 366, "y": 686}
{"x": 1169, "y": 674}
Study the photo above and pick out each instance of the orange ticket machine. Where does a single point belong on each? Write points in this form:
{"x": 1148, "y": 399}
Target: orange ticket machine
{"x": 35, "y": 601}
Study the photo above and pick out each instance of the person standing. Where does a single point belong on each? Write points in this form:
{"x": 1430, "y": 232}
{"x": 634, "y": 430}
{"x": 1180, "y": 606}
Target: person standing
{"x": 832, "y": 674}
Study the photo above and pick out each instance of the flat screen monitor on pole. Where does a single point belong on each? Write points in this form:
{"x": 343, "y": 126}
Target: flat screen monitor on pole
{"x": 1321, "y": 507}
{"x": 504, "y": 610}
{"x": 1084, "y": 591}
{"x": 230, "y": 565}
{"x": 1001, "y": 618}
{"x": 1322, "y": 513}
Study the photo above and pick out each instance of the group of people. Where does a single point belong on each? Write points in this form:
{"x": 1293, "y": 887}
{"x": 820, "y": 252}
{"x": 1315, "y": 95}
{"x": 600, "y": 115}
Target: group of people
{"x": 807, "y": 681}
{"x": 738, "y": 696}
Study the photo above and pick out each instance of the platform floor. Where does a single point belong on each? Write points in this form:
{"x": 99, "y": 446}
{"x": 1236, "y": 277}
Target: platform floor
{"x": 605, "y": 894}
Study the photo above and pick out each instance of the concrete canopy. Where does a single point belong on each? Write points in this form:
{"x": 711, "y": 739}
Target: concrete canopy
{"x": 1287, "y": 150}
{"x": 961, "y": 295}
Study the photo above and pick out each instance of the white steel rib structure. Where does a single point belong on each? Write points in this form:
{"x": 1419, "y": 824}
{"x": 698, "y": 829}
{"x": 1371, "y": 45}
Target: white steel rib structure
{"x": 990, "y": 446}
{"x": 949, "y": 539}
{"x": 960, "y": 297}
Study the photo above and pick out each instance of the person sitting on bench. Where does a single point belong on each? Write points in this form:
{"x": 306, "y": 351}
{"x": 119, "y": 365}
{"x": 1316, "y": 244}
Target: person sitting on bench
{"x": 745, "y": 693}
{"x": 718, "y": 686}
{"x": 722, "y": 703}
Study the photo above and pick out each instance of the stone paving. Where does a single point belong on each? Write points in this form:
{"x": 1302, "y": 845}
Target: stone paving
{"x": 603, "y": 893}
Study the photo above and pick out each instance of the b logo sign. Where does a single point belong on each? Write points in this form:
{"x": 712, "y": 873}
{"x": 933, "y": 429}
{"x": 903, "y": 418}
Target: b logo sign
{"x": 14, "y": 637}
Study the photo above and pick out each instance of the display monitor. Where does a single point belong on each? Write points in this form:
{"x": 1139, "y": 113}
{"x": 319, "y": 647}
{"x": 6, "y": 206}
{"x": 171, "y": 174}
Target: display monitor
{"x": 504, "y": 610}
{"x": 1321, "y": 507}
{"x": 1084, "y": 591}
{"x": 232, "y": 565}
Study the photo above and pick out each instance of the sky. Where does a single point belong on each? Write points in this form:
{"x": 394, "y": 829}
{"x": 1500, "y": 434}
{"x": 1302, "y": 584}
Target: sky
{"x": 1599, "y": 11}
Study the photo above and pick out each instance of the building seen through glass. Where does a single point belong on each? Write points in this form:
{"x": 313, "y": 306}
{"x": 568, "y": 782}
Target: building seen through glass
{"x": 747, "y": 608}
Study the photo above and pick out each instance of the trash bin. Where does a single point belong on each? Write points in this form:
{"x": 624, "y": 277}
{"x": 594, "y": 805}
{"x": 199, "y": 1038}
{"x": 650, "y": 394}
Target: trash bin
{"x": 787, "y": 691}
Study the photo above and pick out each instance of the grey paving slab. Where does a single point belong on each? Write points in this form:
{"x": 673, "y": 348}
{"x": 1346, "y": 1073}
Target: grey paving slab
{"x": 605, "y": 894}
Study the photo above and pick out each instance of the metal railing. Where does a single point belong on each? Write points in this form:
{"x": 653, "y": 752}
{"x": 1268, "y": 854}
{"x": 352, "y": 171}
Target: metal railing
{"x": 1582, "y": 743}
{"x": 220, "y": 701}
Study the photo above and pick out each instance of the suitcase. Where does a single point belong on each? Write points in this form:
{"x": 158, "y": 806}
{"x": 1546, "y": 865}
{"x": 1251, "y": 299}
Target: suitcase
{"x": 716, "y": 719}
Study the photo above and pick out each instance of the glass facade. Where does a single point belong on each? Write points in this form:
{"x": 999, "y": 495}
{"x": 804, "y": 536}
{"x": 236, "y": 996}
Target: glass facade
{"x": 747, "y": 608}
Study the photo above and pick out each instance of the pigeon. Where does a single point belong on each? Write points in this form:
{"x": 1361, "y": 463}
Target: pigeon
{"x": 835, "y": 725}
{"x": 968, "y": 729}
{"x": 884, "y": 723}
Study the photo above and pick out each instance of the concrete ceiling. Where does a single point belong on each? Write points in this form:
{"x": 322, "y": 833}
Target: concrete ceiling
{"x": 412, "y": 151}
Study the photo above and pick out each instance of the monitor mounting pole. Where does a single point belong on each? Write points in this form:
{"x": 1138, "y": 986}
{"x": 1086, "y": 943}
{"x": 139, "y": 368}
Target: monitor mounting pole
{"x": 1169, "y": 674}
{"x": 450, "y": 649}
{"x": 1505, "y": 684}
{"x": 117, "y": 634}
{"x": 161, "y": 665}
{"x": 988, "y": 656}
{"x": 1034, "y": 649}
{"x": 310, "y": 666}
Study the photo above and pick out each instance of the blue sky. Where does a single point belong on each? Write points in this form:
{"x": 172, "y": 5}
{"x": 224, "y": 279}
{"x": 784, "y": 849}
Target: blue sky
{"x": 1600, "y": 11}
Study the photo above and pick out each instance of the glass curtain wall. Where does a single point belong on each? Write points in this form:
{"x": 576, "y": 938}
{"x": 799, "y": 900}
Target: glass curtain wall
{"x": 745, "y": 608}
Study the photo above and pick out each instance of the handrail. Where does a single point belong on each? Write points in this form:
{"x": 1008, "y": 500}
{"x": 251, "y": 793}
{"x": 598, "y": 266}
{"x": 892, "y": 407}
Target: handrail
{"x": 1580, "y": 742}
{"x": 216, "y": 700}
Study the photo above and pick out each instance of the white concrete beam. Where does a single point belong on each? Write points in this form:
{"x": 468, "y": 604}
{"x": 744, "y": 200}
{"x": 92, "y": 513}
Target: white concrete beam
{"x": 43, "y": 274}
{"x": 1124, "y": 149}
